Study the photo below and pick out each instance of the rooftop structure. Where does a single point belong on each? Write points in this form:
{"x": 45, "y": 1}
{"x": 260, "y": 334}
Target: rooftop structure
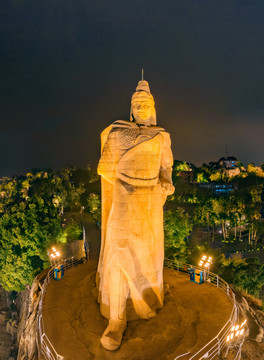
{"x": 229, "y": 162}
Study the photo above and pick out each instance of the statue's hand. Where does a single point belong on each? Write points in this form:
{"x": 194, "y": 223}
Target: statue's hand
{"x": 167, "y": 189}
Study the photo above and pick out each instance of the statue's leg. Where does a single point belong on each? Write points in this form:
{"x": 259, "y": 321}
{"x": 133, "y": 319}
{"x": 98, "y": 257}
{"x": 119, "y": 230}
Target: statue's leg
{"x": 118, "y": 289}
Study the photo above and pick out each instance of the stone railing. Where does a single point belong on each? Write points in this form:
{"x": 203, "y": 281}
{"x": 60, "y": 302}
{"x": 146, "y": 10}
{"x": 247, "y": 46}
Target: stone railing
{"x": 217, "y": 344}
{"x": 209, "y": 351}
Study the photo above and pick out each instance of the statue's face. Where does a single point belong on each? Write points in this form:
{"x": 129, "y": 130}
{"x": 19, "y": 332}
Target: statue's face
{"x": 142, "y": 110}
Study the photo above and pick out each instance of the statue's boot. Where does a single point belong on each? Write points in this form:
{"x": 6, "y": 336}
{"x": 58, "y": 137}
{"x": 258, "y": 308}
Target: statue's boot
{"x": 113, "y": 334}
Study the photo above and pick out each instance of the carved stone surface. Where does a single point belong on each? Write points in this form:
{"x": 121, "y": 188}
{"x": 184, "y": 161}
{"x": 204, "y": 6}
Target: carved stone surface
{"x": 135, "y": 167}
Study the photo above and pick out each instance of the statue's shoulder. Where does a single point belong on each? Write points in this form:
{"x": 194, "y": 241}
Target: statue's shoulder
{"x": 123, "y": 124}
{"x": 105, "y": 133}
{"x": 166, "y": 136}
{"x": 157, "y": 128}
{"x": 161, "y": 131}
{"x": 111, "y": 131}
{"x": 119, "y": 126}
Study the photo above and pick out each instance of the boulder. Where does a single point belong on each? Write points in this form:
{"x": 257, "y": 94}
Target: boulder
{"x": 255, "y": 320}
{"x": 28, "y": 326}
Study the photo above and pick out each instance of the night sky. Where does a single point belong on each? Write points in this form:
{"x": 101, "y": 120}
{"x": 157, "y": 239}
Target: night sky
{"x": 68, "y": 69}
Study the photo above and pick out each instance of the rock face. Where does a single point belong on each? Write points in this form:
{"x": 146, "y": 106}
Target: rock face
{"x": 253, "y": 348}
{"x": 28, "y": 326}
{"x": 255, "y": 320}
{"x": 5, "y": 337}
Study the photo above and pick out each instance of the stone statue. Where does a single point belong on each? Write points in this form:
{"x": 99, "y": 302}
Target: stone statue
{"x": 135, "y": 166}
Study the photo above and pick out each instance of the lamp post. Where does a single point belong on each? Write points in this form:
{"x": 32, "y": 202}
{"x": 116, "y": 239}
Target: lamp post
{"x": 205, "y": 263}
{"x": 235, "y": 338}
{"x": 54, "y": 255}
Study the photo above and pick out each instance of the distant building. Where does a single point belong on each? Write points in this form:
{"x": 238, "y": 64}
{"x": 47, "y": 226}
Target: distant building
{"x": 222, "y": 189}
{"x": 229, "y": 162}
{"x": 219, "y": 189}
{"x": 187, "y": 175}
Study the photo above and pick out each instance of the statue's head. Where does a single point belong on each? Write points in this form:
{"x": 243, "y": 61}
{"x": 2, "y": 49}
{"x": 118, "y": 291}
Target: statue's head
{"x": 143, "y": 106}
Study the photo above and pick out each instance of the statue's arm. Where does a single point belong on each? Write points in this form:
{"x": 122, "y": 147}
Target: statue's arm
{"x": 166, "y": 166}
{"x": 107, "y": 163}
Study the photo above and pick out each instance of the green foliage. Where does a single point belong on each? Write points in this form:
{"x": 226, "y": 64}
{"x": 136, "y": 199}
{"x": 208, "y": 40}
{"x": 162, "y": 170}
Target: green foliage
{"x": 216, "y": 175}
{"x": 201, "y": 177}
{"x": 234, "y": 219}
{"x": 247, "y": 274}
{"x": 182, "y": 166}
{"x": 73, "y": 231}
{"x": 179, "y": 167}
{"x": 94, "y": 206}
{"x": 27, "y": 229}
{"x": 30, "y": 220}
{"x": 177, "y": 226}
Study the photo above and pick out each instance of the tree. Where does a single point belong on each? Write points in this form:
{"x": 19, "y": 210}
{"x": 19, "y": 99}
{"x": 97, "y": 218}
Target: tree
{"x": 30, "y": 219}
{"x": 27, "y": 230}
{"x": 177, "y": 226}
{"x": 247, "y": 274}
{"x": 216, "y": 175}
{"x": 258, "y": 233}
{"x": 201, "y": 177}
{"x": 94, "y": 206}
{"x": 73, "y": 231}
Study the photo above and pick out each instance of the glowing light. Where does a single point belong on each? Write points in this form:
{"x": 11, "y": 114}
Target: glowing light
{"x": 236, "y": 330}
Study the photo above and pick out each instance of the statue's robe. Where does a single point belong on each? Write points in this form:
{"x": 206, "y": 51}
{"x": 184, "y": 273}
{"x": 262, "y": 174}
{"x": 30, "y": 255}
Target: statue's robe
{"x": 135, "y": 166}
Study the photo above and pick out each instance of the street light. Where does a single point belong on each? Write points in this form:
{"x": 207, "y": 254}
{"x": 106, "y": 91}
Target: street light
{"x": 206, "y": 262}
{"x": 54, "y": 255}
{"x": 236, "y": 330}
{"x": 235, "y": 338}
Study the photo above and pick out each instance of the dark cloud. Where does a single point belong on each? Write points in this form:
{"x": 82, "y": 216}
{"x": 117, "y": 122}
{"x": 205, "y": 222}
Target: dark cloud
{"x": 69, "y": 67}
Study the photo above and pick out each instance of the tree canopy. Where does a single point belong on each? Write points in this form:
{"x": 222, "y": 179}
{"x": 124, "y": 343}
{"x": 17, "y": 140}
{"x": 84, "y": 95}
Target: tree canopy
{"x": 31, "y": 209}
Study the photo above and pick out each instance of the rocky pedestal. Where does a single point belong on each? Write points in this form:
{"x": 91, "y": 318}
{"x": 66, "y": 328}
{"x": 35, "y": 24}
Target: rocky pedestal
{"x": 5, "y": 337}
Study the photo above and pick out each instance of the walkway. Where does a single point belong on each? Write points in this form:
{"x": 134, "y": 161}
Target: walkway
{"x": 192, "y": 315}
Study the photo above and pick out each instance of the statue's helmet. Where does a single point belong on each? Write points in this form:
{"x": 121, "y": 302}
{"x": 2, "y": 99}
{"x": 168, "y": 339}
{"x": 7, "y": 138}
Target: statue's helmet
{"x": 143, "y": 93}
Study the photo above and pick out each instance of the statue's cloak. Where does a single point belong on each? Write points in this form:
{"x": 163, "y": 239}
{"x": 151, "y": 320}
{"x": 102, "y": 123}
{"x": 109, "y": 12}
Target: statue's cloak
{"x": 135, "y": 166}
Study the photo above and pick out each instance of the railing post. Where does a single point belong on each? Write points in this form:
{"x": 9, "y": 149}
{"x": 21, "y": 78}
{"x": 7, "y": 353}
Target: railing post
{"x": 232, "y": 319}
{"x": 218, "y": 346}
{"x": 234, "y": 297}
{"x": 236, "y": 313}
